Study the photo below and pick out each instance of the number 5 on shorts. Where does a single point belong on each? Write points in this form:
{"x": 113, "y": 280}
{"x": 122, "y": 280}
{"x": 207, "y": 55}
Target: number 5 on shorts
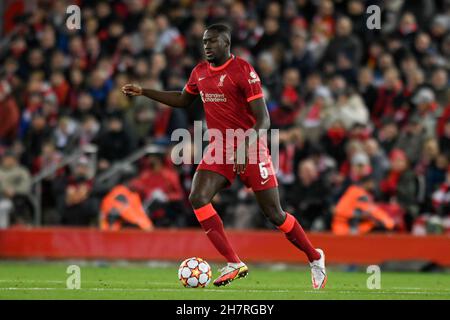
{"x": 263, "y": 170}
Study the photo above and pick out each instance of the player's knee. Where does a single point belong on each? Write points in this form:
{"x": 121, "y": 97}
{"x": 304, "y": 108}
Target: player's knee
{"x": 275, "y": 215}
{"x": 199, "y": 199}
{"x": 277, "y": 219}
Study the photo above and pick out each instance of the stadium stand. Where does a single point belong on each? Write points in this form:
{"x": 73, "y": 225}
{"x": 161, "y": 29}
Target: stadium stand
{"x": 350, "y": 102}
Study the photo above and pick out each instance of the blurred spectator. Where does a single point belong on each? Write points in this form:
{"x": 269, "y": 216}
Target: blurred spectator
{"x": 300, "y": 57}
{"x": 388, "y": 134}
{"x": 359, "y": 166}
{"x": 66, "y": 134}
{"x": 412, "y": 138}
{"x": 9, "y": 114}
{"x": 85, "y": 107}
{"x": 313, "y": 205}
{"x": 367, "y": 88}
{"x": 166, "y": 120}
{"x": 441, "y": 197}
{"x": 49, "y": 158}
{"x": 378, "y": 160}
{"x": 272, "y": 37}
{"x": 425, "y": 105}
{"x": 444, "y": 139}
{"x": 356, "y": 12}
{"x": 433, "y": 166}
{"x": 79, "y": 207}
{"x": 325, "y": 17}
{"x": 334, "y": 141}
{"x": 389, "y": 98}
{"x": 313, "y": 116}
{"x": 401, "y": 185}
{"x": 100, "y": 85}
{"x": 290, "y": 100}
{"x": 15, "y": 187}
{"x": 349, "y": 109}
{"x": 35, "y": 137}
{"x": 267, "y": 71}
{"x": 357, "y": 213}
{"x": 115, "y": 143}
{"x": 293, "y": 148}
{"x": 121, "y": 207}
{"x": 344, "y": 44}
{"x": 408, "y": 28}
{"x": 160, "y": 189}
{"x": 440, "y": 84}
{"x": 89, "y": 131}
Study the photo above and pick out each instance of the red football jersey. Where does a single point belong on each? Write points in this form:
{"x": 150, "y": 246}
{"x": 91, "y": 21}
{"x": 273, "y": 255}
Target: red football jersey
{"x": 226, "y": 92}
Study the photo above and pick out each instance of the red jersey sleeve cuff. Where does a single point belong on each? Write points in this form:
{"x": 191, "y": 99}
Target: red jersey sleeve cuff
{"x": 190, "y": 91}
{"x": 256, "y": 96}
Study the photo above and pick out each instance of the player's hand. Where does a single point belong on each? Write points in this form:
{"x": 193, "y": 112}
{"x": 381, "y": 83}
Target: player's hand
{"x": 239, "y": 163}
{"x": 132, "y": 90}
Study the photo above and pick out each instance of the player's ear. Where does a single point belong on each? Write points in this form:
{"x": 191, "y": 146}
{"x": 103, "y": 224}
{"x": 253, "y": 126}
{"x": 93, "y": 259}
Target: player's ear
{"x": 227, "y": 40}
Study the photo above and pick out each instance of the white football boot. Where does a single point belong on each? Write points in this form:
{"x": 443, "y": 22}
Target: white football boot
{"x": 318, "y": 271}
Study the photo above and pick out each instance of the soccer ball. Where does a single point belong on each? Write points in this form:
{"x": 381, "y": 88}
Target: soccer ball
{"x": 194, "y": 273}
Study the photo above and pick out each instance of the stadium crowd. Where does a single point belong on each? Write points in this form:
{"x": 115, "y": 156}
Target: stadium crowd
{"x": 356, "y": 107}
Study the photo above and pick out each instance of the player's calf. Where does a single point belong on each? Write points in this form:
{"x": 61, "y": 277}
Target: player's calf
{"x": 213, "y": 226}
{"x": 297, "y": 236}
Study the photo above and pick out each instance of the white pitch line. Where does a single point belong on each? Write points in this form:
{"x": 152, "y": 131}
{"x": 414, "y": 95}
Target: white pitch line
{"x": 414, "y": 288}
{"x": 374, "y": 292}
{"x": 32, "y": 281}
{"x": 87, "y": 281}
{"x": 418, "y": 289}
{"x": 323, "y": 292}
{"x": 139, "y": 289}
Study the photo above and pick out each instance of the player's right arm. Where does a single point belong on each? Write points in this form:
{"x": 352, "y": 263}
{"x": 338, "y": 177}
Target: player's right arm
{"x": 176, "y": 99}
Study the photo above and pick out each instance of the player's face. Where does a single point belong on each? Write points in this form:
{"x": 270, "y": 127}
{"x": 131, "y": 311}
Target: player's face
{"x": 215, "y": 46}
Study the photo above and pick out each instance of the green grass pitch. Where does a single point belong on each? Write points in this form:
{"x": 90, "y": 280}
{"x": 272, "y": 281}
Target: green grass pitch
{"x": 43, "y": 280}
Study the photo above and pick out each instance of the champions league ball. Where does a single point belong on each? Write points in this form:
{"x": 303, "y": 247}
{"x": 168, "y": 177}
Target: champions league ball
{"x": 194, "y": 273}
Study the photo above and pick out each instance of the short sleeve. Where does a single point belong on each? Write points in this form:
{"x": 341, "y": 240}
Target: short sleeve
{"x": 191, "y": 85}
{"x": 251, "y": 83}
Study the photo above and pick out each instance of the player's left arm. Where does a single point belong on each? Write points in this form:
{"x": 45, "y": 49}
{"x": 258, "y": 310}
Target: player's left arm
{"x": 259, "y": 109}
{"x": 250, "y": 84}
{"x": 262, "y": 124}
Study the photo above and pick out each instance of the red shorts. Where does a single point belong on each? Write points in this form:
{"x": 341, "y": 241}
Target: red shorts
{"x": 258, "y": 175}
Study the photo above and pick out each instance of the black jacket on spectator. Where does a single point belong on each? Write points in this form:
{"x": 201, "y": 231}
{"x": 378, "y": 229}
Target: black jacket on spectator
{"x": 348, "y": 45}
{"x": 309, "y": 202}
{"x": 33, "y": 141}
{"x": 444, "y": 145}
{"x": 115, "y": 146}
{"x": 369, "y": 94}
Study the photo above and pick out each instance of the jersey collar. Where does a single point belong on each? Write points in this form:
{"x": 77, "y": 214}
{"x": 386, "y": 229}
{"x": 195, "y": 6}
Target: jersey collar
{"x": 219, "y": 68}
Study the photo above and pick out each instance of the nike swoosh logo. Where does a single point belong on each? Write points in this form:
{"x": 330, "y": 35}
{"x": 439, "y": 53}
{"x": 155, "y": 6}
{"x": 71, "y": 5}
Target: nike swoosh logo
{"x": 200, "y": 79}
{"x": 265, "y": 181}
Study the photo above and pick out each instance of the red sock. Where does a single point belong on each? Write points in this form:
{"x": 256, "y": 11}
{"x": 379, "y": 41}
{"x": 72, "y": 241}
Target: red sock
{"x": 213, "y": 226}
{"x": 295, "y": 234}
